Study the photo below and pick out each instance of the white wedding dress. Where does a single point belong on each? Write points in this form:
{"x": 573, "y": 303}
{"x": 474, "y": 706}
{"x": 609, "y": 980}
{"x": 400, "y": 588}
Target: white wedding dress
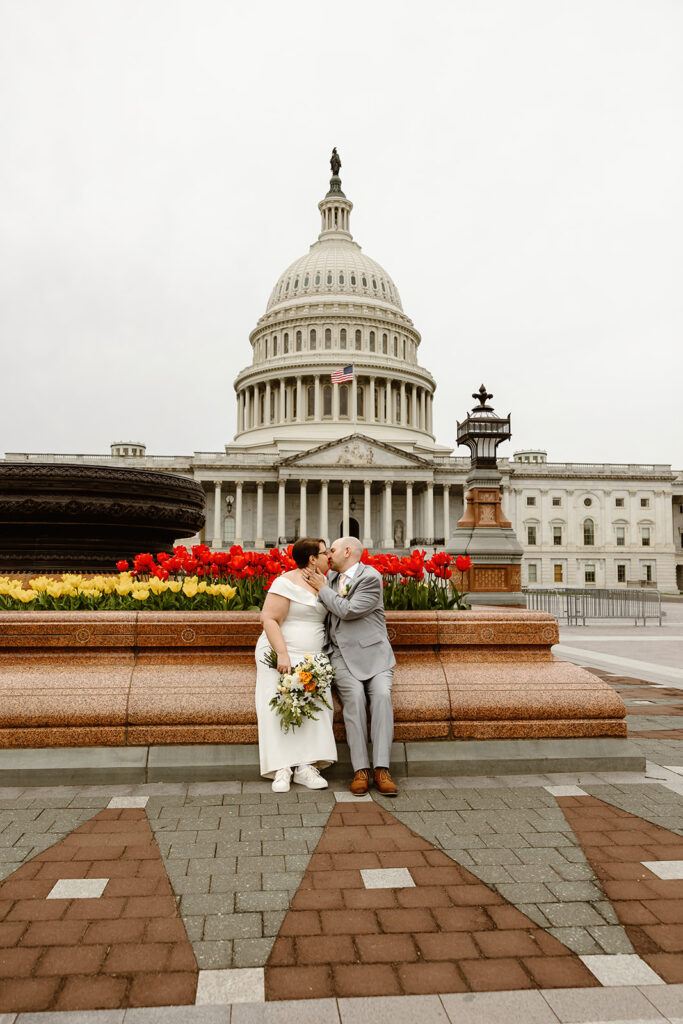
{"x": 304, "y": 633}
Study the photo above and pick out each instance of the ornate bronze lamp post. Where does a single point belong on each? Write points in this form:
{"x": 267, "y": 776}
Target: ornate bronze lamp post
{"x": 484, "y": 533}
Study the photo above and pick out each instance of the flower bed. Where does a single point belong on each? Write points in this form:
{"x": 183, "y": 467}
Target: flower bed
{"x": 236, "y": 580}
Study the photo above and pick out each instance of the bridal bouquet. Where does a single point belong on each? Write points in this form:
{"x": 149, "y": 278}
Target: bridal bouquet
{"x": 303, "y": 691}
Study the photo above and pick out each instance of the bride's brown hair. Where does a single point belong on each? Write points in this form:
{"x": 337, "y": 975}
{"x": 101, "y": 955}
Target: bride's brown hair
{"x": 306, "y": 548}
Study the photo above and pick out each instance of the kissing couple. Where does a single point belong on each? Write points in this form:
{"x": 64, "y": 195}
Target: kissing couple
{"x": 331, "y": 604}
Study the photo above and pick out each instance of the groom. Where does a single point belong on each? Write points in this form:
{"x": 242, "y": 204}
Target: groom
{"x": 362, "y": 658}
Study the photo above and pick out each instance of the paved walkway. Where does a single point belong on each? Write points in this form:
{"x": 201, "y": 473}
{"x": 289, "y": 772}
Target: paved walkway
{"x": 553, "y": 898}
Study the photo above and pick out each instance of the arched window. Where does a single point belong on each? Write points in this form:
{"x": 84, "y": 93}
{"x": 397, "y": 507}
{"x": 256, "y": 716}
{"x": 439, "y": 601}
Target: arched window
{"x": 329, "y": 277}
{"x": 317, "y": 278}
{"x": 360, "y": 402}
{"x": 353, "y": 280}
{"x": 358, "y": 341}
{"x": 397, "y": 406}
{"x": 342, "y": 338}
{"x": 344, "y": 400}
{"x": 266, "y": 343}
{"x": 287, "y": 287}
{"x": 295, "y": 406}
{"x": 404, "y": 349}
{"x": 272, "y": 406}
{"x": 372, "y": 341}
{"x": 341, "y": 278}
{"x": 385, "y": 344}
{"x": 312, "y": 340}
{"x": 296, "y": 283}
{"x": 328, "y": 338}
{"x": 327, "y": 400}
{"x": 365, "y": 281}
{"x": 383, "y": 288}
{"x": 395, "y": 345}
{"x": 588, "y": 532}
{"x": 306, "y": 280}
{"x": 262, "y": 407}
{"x": 275, "y": 344}
{"x": 285, "y": 342}
{"x": 298, "y": 341}
{"x": 310, "y": 401}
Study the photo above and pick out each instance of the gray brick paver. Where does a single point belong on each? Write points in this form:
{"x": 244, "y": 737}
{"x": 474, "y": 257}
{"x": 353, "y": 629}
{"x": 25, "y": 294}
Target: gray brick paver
{"x": 569, "y": 914}
{"x": 522, "y": 892}
{"x": 270, "y": 900}
{"x": 611, "y": 938}
{"x": 196, "y": 905}
{"x": 252, "y": 952}
{"x": 233, "y": 926}
{"x": 214, "y": 955}
{"x": 579, "y": 940}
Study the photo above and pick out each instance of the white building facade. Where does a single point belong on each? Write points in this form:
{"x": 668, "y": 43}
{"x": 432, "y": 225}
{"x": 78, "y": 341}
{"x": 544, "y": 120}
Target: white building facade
{"x": 317, "y": 456}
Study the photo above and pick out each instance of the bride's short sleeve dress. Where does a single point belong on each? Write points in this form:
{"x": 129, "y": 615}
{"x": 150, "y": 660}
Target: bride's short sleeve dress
{"x": 304, "y": 633}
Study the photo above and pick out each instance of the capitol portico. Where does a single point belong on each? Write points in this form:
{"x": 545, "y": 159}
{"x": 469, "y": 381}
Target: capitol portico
{"x": 335, "y": 436}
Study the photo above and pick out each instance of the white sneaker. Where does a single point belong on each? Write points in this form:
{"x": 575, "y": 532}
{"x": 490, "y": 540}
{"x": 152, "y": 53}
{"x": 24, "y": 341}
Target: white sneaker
{"x": 307, "y": 775}
{"x": 282, "y": 780}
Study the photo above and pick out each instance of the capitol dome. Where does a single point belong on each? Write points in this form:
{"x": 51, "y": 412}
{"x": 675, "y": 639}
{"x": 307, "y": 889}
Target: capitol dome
{"x": 334, "y": 309}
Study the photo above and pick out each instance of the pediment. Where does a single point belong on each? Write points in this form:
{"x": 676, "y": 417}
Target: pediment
{"x": 356, "y": 451}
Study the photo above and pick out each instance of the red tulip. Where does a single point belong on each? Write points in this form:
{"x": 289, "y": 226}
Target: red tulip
{"x": 463, "y": 562}
{"x": 122, "y": 566}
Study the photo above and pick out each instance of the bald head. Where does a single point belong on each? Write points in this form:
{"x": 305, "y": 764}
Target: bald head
{"x": 345, "y": 552}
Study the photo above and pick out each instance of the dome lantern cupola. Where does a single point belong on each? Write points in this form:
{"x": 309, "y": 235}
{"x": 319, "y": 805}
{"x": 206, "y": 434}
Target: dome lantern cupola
{"x": 335, "y": 208}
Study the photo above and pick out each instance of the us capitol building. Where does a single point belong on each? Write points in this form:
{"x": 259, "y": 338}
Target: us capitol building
{"x": 335, "y": 436}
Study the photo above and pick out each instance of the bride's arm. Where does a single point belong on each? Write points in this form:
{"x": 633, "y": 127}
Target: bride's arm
{"x": 273, "y": 614}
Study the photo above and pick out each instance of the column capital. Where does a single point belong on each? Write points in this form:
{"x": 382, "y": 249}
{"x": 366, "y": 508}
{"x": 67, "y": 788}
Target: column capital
{"x": 367, "y": 483}
{"x": 446, "y": 487}
{"x": 324, "y": 482}
{"x": 410, "y": 483}
{"x": 303, "y": 483}
{"x": 388, "y": 484}
{"x": 217, "y": 483}
{"x": 346, "y": 483}
{"x": 259, "y": 485}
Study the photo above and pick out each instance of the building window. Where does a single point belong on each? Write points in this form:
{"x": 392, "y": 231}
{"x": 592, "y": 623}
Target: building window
{"x": 261, "y": 407}
{"x": 558, "y": 575}
{"x": 329, "y": 277}
{"x": 298, "y": 341}
{"x": 621, "y": 536}
{"x": 589, "y": 573}
{"x": 365, "y": 281}
{"x": 588, "y": 502}
{"x": 285, "y": 342}
{"x": 327, "y": 400}
{"x": 395, "y": 345}
{"x": 644, "y": 502}
{"x": 385, "y": 344}
{"x": 397, "y": 406}
{"x": 359, "y": 341}
{"x": 275, "y": 344}
{"x": 306, "y": 281}
{"x": 317, "y": 278}
{"x": 353, "y": 280}
{"x": 360, "y": 402}
{"x": 328, "y": 338}
{"x": 312, "y": 340}
{"x": 532, "y": 573}
{"x": 531, "y": 534}
{"x": 342, "y": 338}
{"x": 341, "y": 278}
{"x": 295, "y": 405}
{"x": 372, "y": 341}
{"x": 619, "y": 502}
{"x": 404, "y": 349}
{"x": 344, "y": 400}
{"x": 272, "y": 406}
{"x": 588, "y": 532}
{"x": 645, "y": 536}
{"x": 228, "y": 529}
{"x": 557, "y": 502}
{"x": 621, "y": 573}
{"x": 530, "y": 500}
{"x": 557, "y": 535}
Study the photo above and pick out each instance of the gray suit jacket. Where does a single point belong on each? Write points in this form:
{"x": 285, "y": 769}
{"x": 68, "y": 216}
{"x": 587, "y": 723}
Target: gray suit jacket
{"x": 356, "y": 623}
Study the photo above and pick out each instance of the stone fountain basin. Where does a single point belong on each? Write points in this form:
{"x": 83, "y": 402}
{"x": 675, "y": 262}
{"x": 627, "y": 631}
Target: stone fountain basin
{"x": 70, "y": 679}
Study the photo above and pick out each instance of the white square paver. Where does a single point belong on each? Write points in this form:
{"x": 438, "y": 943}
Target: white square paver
{"x": 77, "y": 889}
{"x": 566, "y": 790}
{"x": 668, "y": 869}
{"x": 345, "y": 797}
{"x": 386, "y": 878}
{"x": 621, "y": 969}
{"x": 236, "y": 985}
{"x": 119, "y": 802}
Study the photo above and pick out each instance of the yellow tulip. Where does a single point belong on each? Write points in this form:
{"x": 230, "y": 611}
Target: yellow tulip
{"x": 27, "y": 595}
{"x": 157, "y": 586}
{"x": 175, "y": 586}
{"x": 201, "y": 587}
{"x": 123, "y": 588}
{"x": 189, "y": 588}
{"x": 228, "y": 592}
{"x": 140, "y": 594}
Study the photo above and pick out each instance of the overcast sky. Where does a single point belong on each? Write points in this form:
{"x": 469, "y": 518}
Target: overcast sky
{"x": 515, "y": 165}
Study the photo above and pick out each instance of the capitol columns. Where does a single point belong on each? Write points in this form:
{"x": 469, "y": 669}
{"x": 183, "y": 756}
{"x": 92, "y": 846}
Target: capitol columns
{"x": 217, "y": 532}
{"x": 267, "y": 404}
{"x": 430, "y": 511}
{"x": 370, "y": 406}
{"x": 367, "y": 514}
{"x": 409, "y": 513}
{"x": 303, "y": 525}
{"x": 345, "y": 507}
{"x": 403, "y": 405}
{"x": 299, "y": 399}
{"x": 239, "y": 538}
{"x": 260, "y": 542}
{"x": 324, "y": 524}
{"x": 446, "y": 515}
{"x": 247, "y": 407}
{"x": 388, "y": 539}
{"x": 281, "y": 511}
{"x": 413, "y": 406}
{"x": 318, "y": 406}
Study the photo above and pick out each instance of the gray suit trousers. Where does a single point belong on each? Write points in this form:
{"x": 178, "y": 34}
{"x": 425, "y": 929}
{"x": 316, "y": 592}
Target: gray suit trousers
{"x": 354, "y": 694}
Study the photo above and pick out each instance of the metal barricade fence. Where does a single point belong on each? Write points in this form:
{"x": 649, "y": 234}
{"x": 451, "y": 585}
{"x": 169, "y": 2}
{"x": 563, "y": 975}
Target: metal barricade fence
{"x": 575, "y": 604}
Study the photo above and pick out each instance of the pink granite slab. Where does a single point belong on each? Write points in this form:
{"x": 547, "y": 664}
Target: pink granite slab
{"x": 67, "y": 629}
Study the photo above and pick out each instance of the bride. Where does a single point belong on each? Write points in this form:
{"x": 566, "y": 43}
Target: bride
{"x": 293, "y": 625}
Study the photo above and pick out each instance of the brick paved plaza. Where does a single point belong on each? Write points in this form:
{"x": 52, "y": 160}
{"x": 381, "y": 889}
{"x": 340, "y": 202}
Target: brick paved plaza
{"x": 550, "y": 898}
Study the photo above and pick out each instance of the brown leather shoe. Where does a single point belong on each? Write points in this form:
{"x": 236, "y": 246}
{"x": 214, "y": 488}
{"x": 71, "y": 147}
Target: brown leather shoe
{"x": 361, "y": 782}
{"x": 384, "y": 782}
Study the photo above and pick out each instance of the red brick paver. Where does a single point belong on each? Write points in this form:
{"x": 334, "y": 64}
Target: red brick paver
{"x": 650, "y": 908}
{"x": 126, "y": 948}
{"x": 450, "y": 933}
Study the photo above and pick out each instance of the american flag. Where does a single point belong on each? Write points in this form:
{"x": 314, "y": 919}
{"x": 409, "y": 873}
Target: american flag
{"x": 340, "y": 376}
